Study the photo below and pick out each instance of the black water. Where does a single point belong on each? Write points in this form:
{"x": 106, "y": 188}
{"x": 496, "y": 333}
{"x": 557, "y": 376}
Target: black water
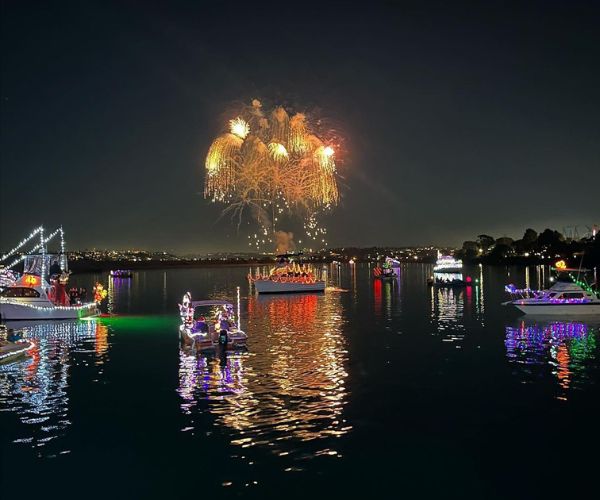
{"x": 377, "y": 389}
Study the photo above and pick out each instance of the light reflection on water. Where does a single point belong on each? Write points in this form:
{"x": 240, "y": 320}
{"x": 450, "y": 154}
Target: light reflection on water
{"x": 290, "y": 386}
{"x": 565, "y": 348}
{"x": 36, "y": 388}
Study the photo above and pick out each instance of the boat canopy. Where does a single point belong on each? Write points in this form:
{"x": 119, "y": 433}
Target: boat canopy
{"x": 200, "y": 303}
{"x": 33, "y": 263}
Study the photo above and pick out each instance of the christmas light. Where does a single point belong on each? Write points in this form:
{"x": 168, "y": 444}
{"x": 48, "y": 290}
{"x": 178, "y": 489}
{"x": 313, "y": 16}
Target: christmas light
{"x": 22, "y": 242}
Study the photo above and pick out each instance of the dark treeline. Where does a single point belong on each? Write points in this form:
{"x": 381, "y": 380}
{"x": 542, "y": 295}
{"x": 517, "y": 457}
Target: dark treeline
{"x": 547, "y": 246}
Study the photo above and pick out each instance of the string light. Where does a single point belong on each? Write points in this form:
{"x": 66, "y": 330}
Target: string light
{"x": 22, "y": 242}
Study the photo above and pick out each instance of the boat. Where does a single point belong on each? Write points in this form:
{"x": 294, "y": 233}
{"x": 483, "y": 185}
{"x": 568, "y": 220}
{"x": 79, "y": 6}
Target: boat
{"x": 216, "y": 328}
{"x": 385, "y": 272}
{"x": 12, "y": 347}
{"x": 288, "y": 276}
{"x": 447, "y": 273}
{"x": 40, "y": 293}
{"x": 121, "y": 273}
{"x": 568, "y": 296}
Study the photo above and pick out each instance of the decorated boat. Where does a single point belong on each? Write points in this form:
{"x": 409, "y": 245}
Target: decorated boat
{"x": 210, "y": 324}
{"x": 288, "y": 276}
{"x": 121, "y": 273}
{"x": 40, "y": 293}
{"x": 386, "y": 271}
{"x": 448, "y": 273}
{"x": 12, "y": 346}
{"x": 566, "y": 297}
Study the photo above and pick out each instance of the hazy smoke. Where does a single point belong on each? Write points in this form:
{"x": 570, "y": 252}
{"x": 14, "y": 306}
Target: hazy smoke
{"x": 284, "y": 241}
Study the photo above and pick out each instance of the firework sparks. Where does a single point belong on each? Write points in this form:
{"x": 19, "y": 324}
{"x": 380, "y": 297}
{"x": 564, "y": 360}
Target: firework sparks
{"x": 273, "y": 164}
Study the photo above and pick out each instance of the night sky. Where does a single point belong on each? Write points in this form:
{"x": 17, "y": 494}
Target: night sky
{"x": 458, "y": 118}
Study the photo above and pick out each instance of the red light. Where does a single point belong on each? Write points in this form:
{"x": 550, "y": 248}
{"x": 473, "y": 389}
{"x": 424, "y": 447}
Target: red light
{"x": 469, "y": 279}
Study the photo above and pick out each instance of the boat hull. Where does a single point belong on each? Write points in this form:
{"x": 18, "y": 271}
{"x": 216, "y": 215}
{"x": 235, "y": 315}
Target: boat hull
{"x": 269, "y": 286}
{"x": 17, "y": 312}
{"x": 559, "y": 309}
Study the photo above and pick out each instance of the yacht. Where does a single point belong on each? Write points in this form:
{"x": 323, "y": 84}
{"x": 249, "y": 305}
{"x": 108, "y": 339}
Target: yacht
{"x": 566, "y": 297}
{"x": 40, "y": 292}
{"x": 447, "y": 272}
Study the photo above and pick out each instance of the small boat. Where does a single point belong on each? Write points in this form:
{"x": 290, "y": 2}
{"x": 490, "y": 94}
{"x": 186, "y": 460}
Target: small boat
{"x": 217, "y": 328}
{"x": 12, "y": 349}
{"x": 384, "y": 273}
{"x": 288, "y": 276}
{"x": 121, "y": 273}
{"x": 565, "y": 298}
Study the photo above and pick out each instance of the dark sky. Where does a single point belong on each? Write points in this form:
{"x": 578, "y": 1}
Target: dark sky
{"x": 459, "y": 118}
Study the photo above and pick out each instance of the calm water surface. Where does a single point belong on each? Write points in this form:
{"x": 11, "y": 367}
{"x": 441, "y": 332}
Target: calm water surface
{"x": 373, "y": 388}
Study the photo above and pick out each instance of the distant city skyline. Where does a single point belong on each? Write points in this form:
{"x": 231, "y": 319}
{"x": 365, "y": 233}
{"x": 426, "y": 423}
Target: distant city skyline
{"x": 457, "y": 118}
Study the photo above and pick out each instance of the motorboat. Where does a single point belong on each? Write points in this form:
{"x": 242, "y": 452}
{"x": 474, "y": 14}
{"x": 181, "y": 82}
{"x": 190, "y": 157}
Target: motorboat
{"x": 121, "y": 273}
{"x": 288, "y": 276}
{"x": 210, "y": 324}
{"x": 12, "y": 347}
{"x": 447, "y": 273}
{"x": 385, "y": 272}
{"x": 40, "y": 293}
{"x": 566, "y": 297}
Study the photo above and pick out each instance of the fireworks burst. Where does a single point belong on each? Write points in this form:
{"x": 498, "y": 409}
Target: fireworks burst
{"x": 272, "y": 165}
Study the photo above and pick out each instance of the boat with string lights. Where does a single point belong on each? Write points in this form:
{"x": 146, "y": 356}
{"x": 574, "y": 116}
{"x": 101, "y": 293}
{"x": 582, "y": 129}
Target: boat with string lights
{"x": 12, "y": 345}
{"x": 217, "y": 327}
{"x": 566, "y": 297}
{"x": 448, "y": 272}
{"x": 288, "y": 276}
{"x": 40, "y": 293}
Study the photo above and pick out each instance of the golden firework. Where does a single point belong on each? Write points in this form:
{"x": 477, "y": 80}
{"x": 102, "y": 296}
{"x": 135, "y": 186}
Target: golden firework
{"x": 271, "y": 163}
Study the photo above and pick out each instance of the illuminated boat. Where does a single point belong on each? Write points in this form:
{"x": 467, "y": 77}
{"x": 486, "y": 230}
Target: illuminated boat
{"x": 447, "y": 273}
{"x": 288, "y": 276}
{"x": 217, "y": 328}
{"x": 385, "y": 272}
{"x": 121, "y": 273}
{"x": 567, "y": 297}
{"x": 40, "y": 293}
{"x": 12, "y": 349}
{"x": 32, "y": 298}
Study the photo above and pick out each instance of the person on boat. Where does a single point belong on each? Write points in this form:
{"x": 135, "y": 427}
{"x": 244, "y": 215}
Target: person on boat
{"x": 223, "y": 338}
{"x": 82, "y": 294}
{"x": 201, "y": 324}
{"x": 55, "y": 269}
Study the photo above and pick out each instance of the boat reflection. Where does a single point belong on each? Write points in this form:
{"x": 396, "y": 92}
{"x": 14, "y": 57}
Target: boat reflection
{"x": 36, "y": 388}
{"x": 566, "y": 348}
{"x": 289, "y": 387}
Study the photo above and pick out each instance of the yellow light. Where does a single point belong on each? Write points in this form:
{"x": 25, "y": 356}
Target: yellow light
{"x": 239, "y": 127}
{"x": 278, "y": 151}
{"x": 561, "y": 264}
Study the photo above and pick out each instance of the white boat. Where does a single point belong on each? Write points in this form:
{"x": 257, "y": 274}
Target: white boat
{"x": 217, "y": 328}
{"x": 288, "y": 277}
{"x": 29, "y": 298}
{"x": 564, "y": 298}
{"x": 40, "y": 293}
{"x": 278, "y": 286}
{"x": 447, "y": 264}
{"x": 447, "y": 273}
{"x": 11, "y": 350}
